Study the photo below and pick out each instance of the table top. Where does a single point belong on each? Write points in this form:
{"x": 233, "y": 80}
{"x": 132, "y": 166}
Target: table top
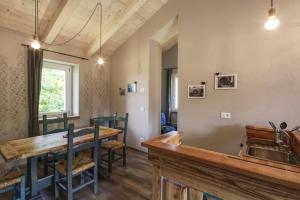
{"x": 35, "y": 146}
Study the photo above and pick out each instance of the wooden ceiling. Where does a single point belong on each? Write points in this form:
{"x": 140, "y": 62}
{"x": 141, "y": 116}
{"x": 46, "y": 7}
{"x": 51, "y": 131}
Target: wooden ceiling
{"x": 62, "y": 19}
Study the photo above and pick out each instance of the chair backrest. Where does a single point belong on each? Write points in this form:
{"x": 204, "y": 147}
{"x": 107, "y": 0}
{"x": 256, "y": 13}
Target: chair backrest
{"x": 49, "y": 121}
{"x": 108, "y": 121}
{"x": 122, "y": 124}
{"x": 73, "y": 147}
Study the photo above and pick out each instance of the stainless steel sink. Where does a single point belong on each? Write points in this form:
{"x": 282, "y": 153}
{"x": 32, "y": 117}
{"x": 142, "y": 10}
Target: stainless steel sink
{"x": 271, "y": 154}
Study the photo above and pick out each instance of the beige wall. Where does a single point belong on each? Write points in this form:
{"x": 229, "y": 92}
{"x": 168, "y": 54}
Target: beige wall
{"x": 217, "y": 36}
{"x": 93, "y": 87}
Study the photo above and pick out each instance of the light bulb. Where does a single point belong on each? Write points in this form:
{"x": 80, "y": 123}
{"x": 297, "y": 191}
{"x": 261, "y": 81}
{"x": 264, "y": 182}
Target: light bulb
{"x": 272, "y": 23}
{"x": 100, "y": 61}
{"x": 35, "y": 44}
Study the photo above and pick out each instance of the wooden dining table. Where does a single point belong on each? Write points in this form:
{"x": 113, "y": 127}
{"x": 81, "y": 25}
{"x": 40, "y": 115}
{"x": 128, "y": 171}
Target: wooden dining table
{"x": 33, "y": 147}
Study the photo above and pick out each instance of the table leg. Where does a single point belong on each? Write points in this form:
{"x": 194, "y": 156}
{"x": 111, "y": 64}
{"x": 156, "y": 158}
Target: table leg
{"x": 32, "y": 175}
{"x": 35, "y": 184}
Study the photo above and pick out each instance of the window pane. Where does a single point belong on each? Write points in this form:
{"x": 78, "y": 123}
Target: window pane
{"x": 52, "y": 97}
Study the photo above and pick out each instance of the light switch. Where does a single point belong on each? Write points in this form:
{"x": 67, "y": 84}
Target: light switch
{"x": 225, "y": 115}
{"x": 142, "y": 90}
{"x": 142, "y": 109}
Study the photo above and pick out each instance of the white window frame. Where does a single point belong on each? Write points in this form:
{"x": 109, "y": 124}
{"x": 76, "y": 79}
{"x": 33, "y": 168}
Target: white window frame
{"x": 50, "y": 64}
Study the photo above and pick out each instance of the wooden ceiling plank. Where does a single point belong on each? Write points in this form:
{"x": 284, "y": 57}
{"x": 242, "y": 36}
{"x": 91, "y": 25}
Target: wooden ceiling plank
{"x": 131, "y": 11}
{"x": 63, "y": 13}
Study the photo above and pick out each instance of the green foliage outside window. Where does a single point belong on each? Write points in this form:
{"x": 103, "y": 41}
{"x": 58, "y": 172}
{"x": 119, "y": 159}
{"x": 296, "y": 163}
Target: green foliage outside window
{"x": 52, "y": 96}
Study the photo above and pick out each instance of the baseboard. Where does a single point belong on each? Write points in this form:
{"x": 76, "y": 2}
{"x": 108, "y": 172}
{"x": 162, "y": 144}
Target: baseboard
{"x": 135, "y": 149}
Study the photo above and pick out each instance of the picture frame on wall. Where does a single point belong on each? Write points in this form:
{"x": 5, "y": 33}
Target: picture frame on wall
{"x": 132, "y": 87}
{"x": 226, "y": 81}
{"x": 196, "y": 91}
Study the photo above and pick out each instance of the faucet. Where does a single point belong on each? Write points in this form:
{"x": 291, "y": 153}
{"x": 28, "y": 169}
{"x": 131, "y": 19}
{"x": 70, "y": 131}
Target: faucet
{"x": 280, "y": 133}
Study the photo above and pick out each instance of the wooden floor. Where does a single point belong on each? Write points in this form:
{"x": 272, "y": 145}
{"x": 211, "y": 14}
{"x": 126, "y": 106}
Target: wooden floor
{"x": 132, "y": 183}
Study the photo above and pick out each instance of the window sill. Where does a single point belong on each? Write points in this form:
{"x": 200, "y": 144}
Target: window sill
{"x": 72, "y": 117}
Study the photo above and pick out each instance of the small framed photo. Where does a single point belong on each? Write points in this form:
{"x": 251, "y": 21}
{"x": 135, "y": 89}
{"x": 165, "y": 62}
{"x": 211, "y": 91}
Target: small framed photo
{"x": 196, "y": 91}
{"x": 226, "y": 81}
{"x": 132, "y": 87}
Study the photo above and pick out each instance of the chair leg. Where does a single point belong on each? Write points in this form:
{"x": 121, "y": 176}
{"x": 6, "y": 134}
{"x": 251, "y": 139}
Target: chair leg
{"x": 56, "y": 191}
{"x": 95, "y": 169}
{"x": 81, "y": 178}
{"x": 22, "y": 188}
{"x": 124, "y": 157}
{"x": 113, "y": 156}
{"x": 15, "y": 192}
{"x": 46, "y": 158}
{"x": 69, "y": 186}
{"x": 110, "y": 152}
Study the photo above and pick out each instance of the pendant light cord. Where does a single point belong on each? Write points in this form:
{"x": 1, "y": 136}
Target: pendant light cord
{"x": 100, "y": 29}
{"x": 83, "y": 27}
{"x": 272, "y": 3}
{"x": 36, "y": 18}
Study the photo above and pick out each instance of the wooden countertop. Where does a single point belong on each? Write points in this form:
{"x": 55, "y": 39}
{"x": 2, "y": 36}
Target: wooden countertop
{"x": 295, "y": 142}
{"x": 167, "y": 144}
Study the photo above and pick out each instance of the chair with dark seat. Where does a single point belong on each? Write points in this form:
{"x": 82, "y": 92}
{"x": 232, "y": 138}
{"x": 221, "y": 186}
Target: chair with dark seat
{"x": 13, "y": 180}
{"x": 84, "y": 165}
{"x": 57, "y": 122}
{"x": 165, "y": 126}
{"x": 112, "y": 146}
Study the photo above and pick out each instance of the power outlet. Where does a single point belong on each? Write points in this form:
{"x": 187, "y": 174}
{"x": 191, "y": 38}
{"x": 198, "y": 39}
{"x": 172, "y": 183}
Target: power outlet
{"x": 225, "y": 115}
{"x": 140, "y": 147}
{"x": 142, "y": 109}
{"x": 142, "y": 140}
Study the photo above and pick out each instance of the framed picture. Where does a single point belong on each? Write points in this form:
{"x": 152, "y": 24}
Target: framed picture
{"x": 226, "y": 81}
{"x": 196, "y": 91}
{"x": 132, "y": 87}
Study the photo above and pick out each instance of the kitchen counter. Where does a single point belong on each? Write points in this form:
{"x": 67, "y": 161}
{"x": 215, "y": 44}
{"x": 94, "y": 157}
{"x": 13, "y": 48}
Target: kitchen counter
{"x": 224, "y": 176}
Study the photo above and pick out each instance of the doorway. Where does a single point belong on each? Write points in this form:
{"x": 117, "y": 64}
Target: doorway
{"x": 169, "y": 89}
{"x": 163, "y": 41}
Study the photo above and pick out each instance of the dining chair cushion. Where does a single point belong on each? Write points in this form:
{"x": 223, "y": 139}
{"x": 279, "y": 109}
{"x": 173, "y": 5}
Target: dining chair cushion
{"x": 10, "y": 177}
{"x": 80, "y": 164}
{"x": 112, "y": 144}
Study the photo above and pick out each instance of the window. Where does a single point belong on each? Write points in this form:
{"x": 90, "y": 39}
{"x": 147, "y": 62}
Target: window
{"x": 56, "y": 88}
{"x": 174, "y": 91}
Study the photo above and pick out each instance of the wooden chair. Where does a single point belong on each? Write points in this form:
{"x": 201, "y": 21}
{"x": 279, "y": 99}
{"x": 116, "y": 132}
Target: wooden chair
{"x": 80, "y": 165}
{"x": 113, "y": 145}
{"x": 13, "y": 180}
{"x": 46, "y": 123}
{"x": 108, "y": 121}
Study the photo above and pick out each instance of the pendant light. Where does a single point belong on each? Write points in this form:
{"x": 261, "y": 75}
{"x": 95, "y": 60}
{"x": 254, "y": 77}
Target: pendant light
{"x": 272, "y": 22}
{"x": 100, "y": 60}
{"x": 35, "y": 44}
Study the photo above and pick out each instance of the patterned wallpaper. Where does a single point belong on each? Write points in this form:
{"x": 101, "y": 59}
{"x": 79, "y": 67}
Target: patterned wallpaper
{"x": 93, "y": 86}
{"x": 13, "y": 106}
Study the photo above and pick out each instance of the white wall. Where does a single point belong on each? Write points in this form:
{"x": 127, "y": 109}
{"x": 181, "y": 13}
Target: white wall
{"x": 217, "y": 36}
